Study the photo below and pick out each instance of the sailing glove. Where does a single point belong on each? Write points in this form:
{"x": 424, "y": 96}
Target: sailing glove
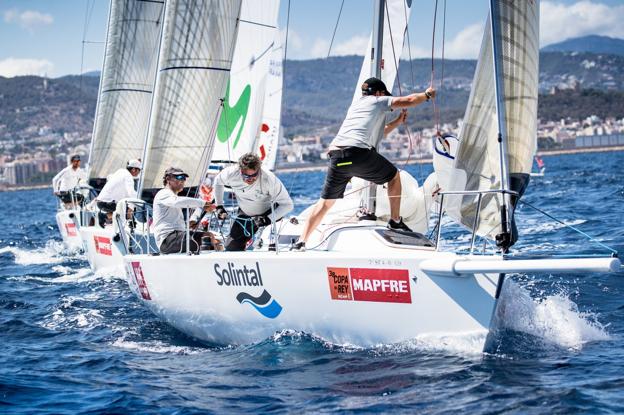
{"x": 261, "y": 221}
{"x": 221, "y": 212}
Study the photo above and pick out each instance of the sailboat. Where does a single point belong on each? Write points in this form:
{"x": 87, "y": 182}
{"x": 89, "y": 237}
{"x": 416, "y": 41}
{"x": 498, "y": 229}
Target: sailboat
{"x": 363, "y": 284}
{"x": 541, "y": 167}
{"x": 123, "y": 108}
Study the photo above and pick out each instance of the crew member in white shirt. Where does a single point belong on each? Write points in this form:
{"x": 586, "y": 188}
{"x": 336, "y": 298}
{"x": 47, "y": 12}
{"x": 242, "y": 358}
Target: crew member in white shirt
{"x": 119, "y": 185}
{"x": 66, "y": 180}
{"x": 261, "y": 196}
{"x": 169, "y": 226}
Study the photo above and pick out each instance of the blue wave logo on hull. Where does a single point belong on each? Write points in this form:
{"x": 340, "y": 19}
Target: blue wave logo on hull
{"x": 265, "y": 304}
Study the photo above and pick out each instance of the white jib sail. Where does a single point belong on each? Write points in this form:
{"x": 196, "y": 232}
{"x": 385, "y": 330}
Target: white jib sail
{"x": 269, "y": 133}
{"x": 396, "y": 18}
{"x": 242, "y": 108}
{"x": 127, "y": 83}
{"x": 193, "y": 68}
{"x": 477, "y": 164}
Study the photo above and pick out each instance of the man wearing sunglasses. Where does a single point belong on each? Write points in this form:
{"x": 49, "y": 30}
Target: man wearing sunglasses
{"x": 169, "y": 226}
{"x": 119, "y": 185}
{"x": 261, "y": 196}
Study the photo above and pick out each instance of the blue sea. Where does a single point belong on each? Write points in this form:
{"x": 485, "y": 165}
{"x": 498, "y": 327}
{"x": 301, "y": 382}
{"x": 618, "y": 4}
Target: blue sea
{"x": 75, "y": 342}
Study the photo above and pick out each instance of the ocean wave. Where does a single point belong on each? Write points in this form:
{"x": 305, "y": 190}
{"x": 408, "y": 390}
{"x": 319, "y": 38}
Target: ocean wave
{"x": 53, "y": 252}
{"x": 554, "y": 318}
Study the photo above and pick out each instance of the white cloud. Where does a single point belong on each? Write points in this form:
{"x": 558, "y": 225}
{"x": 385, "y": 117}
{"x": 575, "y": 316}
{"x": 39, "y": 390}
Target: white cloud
{"x": 466, "y": 44}
{"x": 354, "y": 46}
{"x": 28, "y": 19}
{"x": 17, "y": 67}
{"x": 560, "y": 22}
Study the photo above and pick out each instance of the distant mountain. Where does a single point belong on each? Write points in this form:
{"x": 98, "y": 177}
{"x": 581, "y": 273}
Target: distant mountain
{"x": 317, "y": 93}
{"x": 592, "y": 43}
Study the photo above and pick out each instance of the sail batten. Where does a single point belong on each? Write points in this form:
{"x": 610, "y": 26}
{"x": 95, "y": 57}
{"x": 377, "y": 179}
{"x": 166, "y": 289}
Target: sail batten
{"x": 478, "y": 164}
{"x": 193, "y": 67}
{"x": 127, "y": 82}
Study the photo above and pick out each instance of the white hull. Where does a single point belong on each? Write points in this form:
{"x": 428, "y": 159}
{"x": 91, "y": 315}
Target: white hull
{"x": 346, "y": 295}
{"x": 100, "y": 250}
{"x": 67, "y": 222}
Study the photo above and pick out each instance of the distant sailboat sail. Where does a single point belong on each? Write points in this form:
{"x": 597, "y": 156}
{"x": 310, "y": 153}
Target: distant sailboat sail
{"x": 241, "y": 116}
{"x": 269, "y": 134}
{"x": 478, "y": 161}
{"x": 126, "y": 86}
{"x": 194, "y": 64}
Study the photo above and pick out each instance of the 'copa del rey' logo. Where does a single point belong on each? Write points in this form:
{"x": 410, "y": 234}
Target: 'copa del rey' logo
{"x": 70, "y": 229}
{"x": 103, "y": 245}
{"x": 369, "y": 284}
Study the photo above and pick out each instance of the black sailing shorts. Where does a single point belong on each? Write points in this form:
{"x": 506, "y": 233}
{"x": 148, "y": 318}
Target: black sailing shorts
{"x": 350, "y": 162}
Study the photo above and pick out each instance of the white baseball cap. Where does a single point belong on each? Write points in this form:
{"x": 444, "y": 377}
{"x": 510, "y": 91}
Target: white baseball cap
{"x": 134, "y": 163}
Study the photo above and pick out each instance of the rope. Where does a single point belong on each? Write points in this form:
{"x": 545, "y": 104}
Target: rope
{"x": 398, "y": 79}
{"x": 335, "y": 28}
{"x": 613, "y": 251}
{"x": 287, "y": 27}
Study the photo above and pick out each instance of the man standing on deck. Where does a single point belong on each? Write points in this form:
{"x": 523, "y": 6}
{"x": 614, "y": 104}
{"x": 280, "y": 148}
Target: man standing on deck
{"x": 352, "y": 152}
{"x": 119, "y": 185}
{"x": 168, "y": 226}
{"x": 262, "y": 199}
{"x": 64, "y": 183}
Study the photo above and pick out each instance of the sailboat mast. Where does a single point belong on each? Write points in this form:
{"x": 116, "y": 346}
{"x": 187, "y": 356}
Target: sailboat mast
{"x": 376, "y": 56}
{"x": 97, "y": 104}
{"x": 497, "y": 58}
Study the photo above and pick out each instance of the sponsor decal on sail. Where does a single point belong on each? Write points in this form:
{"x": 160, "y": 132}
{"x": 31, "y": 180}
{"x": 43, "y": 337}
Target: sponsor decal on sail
{"x": 233, "y": 115}
{"x": 139, "y": 279}
{"x": 103, "y": 245}
{"x": 369, "y": 284}
{"x": 70, "y": 229}
{"x": 233, "y": 275}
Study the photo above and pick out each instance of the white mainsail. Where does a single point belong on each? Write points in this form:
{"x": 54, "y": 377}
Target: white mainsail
{"x": 194, "y": 64}
{"x": 478, "y": 161}
{"x": 270, "y": 129}
{"x": 396, "y": 18}
{"x": 128, "y": 75}
{"x": 241, "y": 115}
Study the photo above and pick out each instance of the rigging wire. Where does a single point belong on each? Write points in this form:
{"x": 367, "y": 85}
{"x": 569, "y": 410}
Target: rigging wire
{"x": 87, "y": 19}
{"x": 335, "y": 28}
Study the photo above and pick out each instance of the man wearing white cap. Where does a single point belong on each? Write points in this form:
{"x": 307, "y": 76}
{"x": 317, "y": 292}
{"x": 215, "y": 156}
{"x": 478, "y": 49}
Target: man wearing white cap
{"x": 119, "y": 185}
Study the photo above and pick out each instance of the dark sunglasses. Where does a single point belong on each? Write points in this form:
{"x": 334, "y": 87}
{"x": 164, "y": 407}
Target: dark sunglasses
{"x": 180, "y": 177}
{"x": 250, "y": 176}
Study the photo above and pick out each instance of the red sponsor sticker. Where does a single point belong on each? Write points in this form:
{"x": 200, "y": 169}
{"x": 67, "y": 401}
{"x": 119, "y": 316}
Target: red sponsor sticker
{"x": 70, "y": 229}
{"x": 370, "y": 284}
{"x": 140, "y": 280}
{"x": 339, "y": 284}
{"x": 103, "y": 245}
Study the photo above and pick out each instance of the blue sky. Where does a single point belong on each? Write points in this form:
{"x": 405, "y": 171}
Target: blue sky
{"x": 44, "y": 37}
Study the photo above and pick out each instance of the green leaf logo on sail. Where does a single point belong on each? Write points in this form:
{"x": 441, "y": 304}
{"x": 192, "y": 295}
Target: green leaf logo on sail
{"x": 232, "y": 116}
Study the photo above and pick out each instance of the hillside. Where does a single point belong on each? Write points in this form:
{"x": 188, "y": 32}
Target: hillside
{"x": 317, "y": 93}
{"x": 592, "y": 43}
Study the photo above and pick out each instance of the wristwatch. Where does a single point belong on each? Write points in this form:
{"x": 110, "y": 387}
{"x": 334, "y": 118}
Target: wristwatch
{"x": 428, "y": 95}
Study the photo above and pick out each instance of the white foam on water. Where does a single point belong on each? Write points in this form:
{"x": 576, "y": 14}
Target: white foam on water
{"x": 469, "y": 344}
{"x": 554, "y": 318}
{"x": 157, "y": 347}
{"x": 72, "y": 317}
{"x": 465, "y": 344}
{"x": 53, "y": 253}
{"x": 540, "y": 225}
